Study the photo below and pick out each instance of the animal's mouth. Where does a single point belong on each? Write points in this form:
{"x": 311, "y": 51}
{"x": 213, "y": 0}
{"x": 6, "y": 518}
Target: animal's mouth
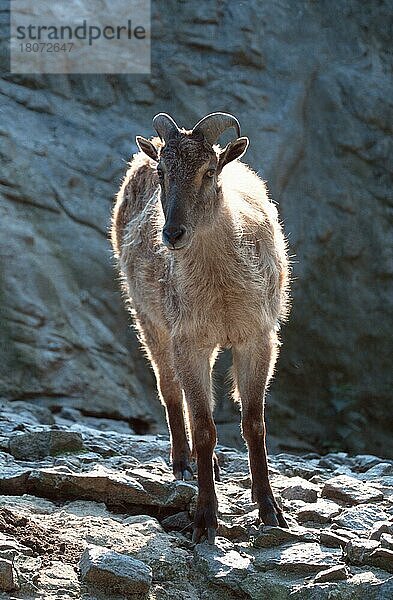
{"x": 180, "y": 246}
{"x": 173, "y": 245}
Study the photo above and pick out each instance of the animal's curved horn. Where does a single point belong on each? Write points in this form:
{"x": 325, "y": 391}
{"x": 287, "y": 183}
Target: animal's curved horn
{"x": 213, "y": 125}
{"x": 165, "y": 126}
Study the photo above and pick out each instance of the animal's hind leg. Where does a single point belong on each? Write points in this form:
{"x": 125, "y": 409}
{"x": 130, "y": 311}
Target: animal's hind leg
{"x": 253, "y": 362}
{"x": 158, "y": 346}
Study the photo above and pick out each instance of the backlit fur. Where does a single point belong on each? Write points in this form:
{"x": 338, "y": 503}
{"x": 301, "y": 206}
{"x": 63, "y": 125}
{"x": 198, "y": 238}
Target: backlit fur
{"x": 226, "y": 288}
{"x": 230, "y": 281}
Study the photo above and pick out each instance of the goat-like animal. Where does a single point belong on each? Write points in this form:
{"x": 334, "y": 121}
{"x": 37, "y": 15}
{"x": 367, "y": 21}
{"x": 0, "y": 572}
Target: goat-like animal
{"x": 204, "y": 264}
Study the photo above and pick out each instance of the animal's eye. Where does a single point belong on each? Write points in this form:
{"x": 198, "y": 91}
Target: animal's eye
{"x": 210, "y": 172}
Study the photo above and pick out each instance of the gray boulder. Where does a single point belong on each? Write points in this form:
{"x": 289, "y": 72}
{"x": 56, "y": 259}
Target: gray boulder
{"x": 275, "y": 536}
{"x": 360, "y": 518}
{"x": 114, "y": 573}
{"x": 321, "y": 511}
{"x": 298, "y": 558}
{"x": 351, "y": 490}
{"x": 222, "y": 564}
{"x": 35, "y": 445}
{"x": 8, "y": 576}
{"x": 301, "y": 489}
{"x": 338, "y": 573}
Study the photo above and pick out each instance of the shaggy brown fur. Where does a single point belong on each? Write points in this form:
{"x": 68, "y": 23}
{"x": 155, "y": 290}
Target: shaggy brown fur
{"x": 226, "y": 287}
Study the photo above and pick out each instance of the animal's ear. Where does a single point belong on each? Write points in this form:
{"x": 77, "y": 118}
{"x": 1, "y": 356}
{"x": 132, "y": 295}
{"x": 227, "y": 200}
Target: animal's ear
{"x": 147, "y": 147}
{"x": 233, "y": 150}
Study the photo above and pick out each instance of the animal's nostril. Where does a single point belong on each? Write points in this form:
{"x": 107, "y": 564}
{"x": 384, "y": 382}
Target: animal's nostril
{"x": 173, "y": 234}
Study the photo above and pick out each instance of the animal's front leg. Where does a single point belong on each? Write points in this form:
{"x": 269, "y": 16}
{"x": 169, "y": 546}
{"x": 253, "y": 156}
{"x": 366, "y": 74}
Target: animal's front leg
{"x": 253, "y": 363}
{"x": 158, "y": 345}
{"x": 194, "y": 372}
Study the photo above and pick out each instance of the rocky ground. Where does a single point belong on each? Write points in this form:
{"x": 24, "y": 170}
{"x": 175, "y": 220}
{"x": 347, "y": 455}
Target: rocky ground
{"x": 90, "y": 510}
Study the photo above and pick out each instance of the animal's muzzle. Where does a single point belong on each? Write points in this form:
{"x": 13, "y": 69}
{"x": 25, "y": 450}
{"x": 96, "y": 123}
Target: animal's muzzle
{"x": 174, "y": 236}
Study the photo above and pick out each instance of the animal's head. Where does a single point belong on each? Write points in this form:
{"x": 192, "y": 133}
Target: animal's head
{"x": 188, "y": 165}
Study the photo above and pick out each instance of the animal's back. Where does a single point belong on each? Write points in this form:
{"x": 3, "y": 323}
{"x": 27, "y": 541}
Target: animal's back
{"x": 136, "y": 192}
{"x": 135, "y": 236}
{"x": 247, "y": 192}
{"x": 261, "y": 238}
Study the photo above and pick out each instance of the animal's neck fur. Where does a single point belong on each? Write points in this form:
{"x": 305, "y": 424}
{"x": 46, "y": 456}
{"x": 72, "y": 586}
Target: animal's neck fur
{"x": 212, "y": 251}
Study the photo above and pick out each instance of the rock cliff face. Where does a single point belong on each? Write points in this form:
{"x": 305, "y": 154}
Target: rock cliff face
{"x": 311, "y": 85}
{"x": 87, "y": 511}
